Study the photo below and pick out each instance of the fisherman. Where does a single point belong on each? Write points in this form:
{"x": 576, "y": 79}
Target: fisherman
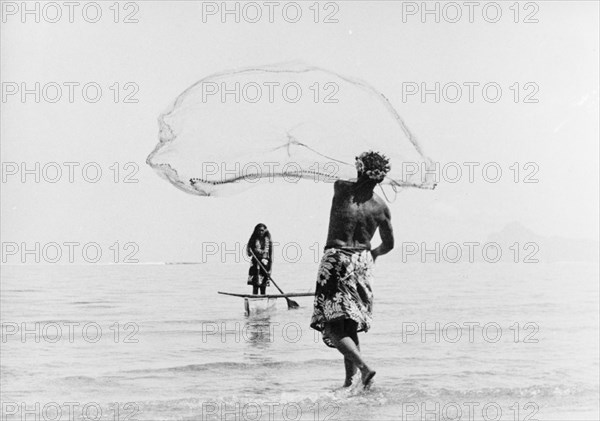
{"x": 343, "y": 297}
{"x": 260, "y": 250}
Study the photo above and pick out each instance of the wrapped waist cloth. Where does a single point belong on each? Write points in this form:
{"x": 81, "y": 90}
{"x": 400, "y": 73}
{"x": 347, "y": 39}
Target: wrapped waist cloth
{"x": 257, "y": 276}
{"x": 343, "y": 289}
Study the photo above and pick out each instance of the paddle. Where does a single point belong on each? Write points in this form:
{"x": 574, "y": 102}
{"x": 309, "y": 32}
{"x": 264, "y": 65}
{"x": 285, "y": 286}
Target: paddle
{"x": 290, "y": 303}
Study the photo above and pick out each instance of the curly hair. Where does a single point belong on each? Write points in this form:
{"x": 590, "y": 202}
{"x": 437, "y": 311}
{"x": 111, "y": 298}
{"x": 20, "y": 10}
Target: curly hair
{"x": 373, "y": 165}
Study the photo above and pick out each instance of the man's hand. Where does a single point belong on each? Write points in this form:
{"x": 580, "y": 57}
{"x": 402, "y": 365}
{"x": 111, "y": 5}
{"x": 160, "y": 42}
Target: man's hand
{"x": 265, "y": 262}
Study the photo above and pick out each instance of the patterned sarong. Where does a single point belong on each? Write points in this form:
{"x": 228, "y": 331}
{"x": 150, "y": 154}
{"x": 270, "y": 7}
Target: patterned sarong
{"x": 343, "y": 289}
{"x": 256, "y": 275}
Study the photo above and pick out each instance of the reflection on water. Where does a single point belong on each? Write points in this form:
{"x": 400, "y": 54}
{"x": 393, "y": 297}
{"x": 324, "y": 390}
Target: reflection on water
{"x": 258, "y": 329}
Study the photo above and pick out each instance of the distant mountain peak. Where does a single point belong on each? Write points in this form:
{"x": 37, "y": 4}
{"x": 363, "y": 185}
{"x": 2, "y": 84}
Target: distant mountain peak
{"x": 549, "y": 249}
{"x": 514, "y": 231}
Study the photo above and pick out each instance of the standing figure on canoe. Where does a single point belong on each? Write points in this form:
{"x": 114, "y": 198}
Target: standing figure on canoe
{"x": 343, "y": 297}
{"x": 260, "y": 250}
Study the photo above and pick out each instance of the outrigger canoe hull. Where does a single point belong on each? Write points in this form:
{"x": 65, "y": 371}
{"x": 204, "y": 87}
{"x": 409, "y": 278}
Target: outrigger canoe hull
{"x": 252, "y": 297}
{"x": 291, "y": 294}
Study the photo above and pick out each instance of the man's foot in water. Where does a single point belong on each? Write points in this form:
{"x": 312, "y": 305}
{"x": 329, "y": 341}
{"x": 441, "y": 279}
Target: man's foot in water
{"x": 347, "y": 382}
{"x": 367, "y": 377}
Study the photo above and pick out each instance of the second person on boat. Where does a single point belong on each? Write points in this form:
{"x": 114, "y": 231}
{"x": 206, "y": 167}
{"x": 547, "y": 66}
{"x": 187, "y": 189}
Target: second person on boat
{"x": 260, "y": 251}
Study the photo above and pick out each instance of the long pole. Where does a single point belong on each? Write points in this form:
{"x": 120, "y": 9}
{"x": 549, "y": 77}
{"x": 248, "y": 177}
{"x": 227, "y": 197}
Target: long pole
{"x": 290, "y": 303}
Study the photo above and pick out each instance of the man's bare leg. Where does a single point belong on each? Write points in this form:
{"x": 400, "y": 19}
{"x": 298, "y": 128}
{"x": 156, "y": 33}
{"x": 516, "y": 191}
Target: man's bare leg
{"x": 350, "y": 367}
{"x": 348, "y": 348}
{"x": 350, "y": 372}
{"x": 350, "y": 351}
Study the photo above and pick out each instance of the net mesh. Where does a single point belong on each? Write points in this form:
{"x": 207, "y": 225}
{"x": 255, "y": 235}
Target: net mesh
{"x": 233, "y": 130}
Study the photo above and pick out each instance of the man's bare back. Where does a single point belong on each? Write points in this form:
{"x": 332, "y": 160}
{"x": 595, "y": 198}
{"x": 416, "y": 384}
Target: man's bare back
{"x": 356, "y": 213}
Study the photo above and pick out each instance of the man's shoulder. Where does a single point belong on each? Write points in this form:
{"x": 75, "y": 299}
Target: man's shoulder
{"x": 380, "y": 204}
{"x": 342, "y": 185}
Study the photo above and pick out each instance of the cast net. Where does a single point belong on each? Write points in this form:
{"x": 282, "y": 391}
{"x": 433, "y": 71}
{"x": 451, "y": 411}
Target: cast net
{"x": 233, "y": 130}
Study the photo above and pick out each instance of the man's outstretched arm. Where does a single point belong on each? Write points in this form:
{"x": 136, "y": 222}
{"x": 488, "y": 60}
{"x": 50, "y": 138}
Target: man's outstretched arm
{"x": 387, "y": 235}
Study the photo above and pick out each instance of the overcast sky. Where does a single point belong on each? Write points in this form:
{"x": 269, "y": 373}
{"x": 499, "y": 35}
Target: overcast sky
{"x": 171, "y": 47}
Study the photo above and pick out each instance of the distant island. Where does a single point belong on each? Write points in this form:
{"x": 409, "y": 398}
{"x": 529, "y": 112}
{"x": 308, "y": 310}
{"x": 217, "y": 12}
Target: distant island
{"x": 551, "y": 249}
{"x": 183, "y": 263}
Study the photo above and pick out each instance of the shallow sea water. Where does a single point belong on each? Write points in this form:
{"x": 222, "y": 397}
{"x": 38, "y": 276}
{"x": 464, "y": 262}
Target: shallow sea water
{"x": 156, "y": 342}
